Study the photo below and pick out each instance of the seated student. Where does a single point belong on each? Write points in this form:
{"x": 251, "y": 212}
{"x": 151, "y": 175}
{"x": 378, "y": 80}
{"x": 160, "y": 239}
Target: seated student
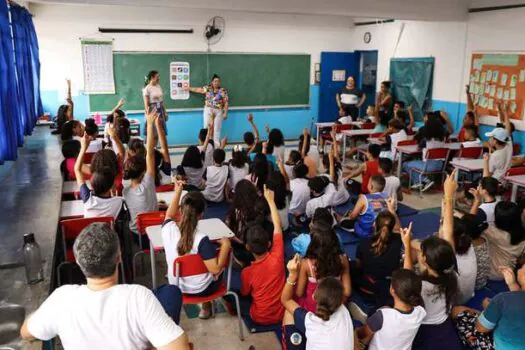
{"x": 366, "y": 170}
{"x": 99, "y": 202}
{"x": 113, "y": 117}
{"x": 181, "y": 237}
{"x": 485, "y": 199}
{"x": 470, "y": 121}
{"x": 395, "y": 133}
{"x": 91, "y": 128}
{"x": 497, "y": 163}
{"x": 309, "y": 159}
{"x": 136, "y": 147}
{"x": 263, "y": 280}
{"x": 139, "y": 193}
{"x": 71, "y": 129}
{"x": 335, "y": 174}
{"x": 470, "y": 137}
{"x": 267, "y": 150}
{"x": 500, "y": 324}
{"x": 439, "y": 290}
{"x": 238, "y": 168}
{"x": 191, "y": 169}
{"x": 251, "y": 139}
{"x": 506, "y": 238}
{"x": 392, "y": 183}
{"x": 162, "y": 157}
{"x": 328, "y": 327}
{"x": 361, "y": 219}
{"x": 294, "y": 158}
{"x": 276, "y": 139}
{"x": 322, "y": 192}
{"x": 277, "y": 184}
{"x": 206, "y": 145}
{"x": 321, "y": 218}
{"x": 396, "y": 327}
{"x": 259, "y": 171}
{"x": 70, "y": 151}
{"x": 377, "y": 258}
{"x": 106, "y": 158}
{"x": 381, "y": 122}
{"x": 104, "y": 314}
{"x": 216, "y": 177}
{"x": 444, "y": 122}
{"x": 474, "y": 228}
{"x": 433, "y": 137}
{"x": 324, "y": 258}
{"x": 298, "y": 186}
{"x": 64, "y": 112}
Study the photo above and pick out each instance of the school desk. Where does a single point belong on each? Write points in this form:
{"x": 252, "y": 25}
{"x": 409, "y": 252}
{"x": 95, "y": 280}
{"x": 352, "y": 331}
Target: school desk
{"x": 168, "y": 196}
{"x": 468, "y": 165}
{"x": 215, "y": 229}
{"x": 516, "y": 181}
{"x": 71, "y": 209}
{"x": 414, "y": 149}
{"x": 353, "y": 133}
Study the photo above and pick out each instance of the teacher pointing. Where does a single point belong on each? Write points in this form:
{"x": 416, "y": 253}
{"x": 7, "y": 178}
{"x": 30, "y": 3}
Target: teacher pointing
{"x": 215, "y": 104}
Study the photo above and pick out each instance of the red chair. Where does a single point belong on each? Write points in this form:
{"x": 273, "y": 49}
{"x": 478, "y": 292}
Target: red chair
{"x": 368, "y": 126}
{"x": 145, "y": 220}
{"x": 376, "y": 135}
{"x": 338, "y": 129}
{"x": 516, "y": 149}
{"x": 164, "y": 188}
{"x": 88, "y": 157}
{"x": 515, "y": 171}
{"x": 470, "y": 152}
{"x": 432, "y": 154}
{"x": 70, "y": 229}
{"x": 407, "y": 143}
{"x": 191, "y": 265}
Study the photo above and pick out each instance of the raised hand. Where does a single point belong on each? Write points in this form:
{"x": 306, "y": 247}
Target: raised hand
{"x": 86, "y": 139}
{"x": 269, "y": 195}
{"x": 391, "y": 204}
{"x": 179, "y": 186}
{"x": 508, "y": 275}
{"x": 250, "y": 117}
{"x": 406, "y": 235}
{"x": 476, "y": 193}
{"x": 450, "y": 186}
{"x": 293, "y": 264}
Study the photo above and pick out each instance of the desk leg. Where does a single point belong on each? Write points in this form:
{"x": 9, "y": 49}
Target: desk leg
{"x": 514, "y": 193}
{"x": 399, "y": 163}
{"x": 153, "y": 266}
{"x": 456, "y": 176}
{"x": 344, "y": 148}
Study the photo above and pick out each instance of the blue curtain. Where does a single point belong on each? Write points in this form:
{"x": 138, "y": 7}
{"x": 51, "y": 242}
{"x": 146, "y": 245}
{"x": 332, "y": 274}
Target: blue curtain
{"x": 412, "y": 82}
{"x": 20, "y": 103}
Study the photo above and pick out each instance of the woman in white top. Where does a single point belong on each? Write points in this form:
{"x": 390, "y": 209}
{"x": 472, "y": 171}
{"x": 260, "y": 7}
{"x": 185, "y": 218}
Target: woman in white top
{"x": 433, "y": 137}
{"x": 153, "y": 98}
{"x": 181, "y": 237}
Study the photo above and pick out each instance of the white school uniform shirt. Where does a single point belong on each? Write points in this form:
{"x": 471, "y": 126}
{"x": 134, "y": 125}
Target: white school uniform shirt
{"x": 237, "y": 174}
{"x": 488, "y": 209}
{"x": 475, "y": 143}
{"x": 394, "y": 138}
{"x": 140, "y": 199}
{"x": 95, "y": 206}
{"x": 392, "y": 185}
{"x": 467, "y": 270}
{"x": 394, "y": 329}
{"x": 154, "y": 92}
{"x": 279, "y": 152}
{"x": 435, "y": 304}
{"x": 124, "y": 316}
{"x": 216, "y": 177}
{"x": 323, "y": 201}
{"x": 500, "y": 161}
{"x": 208, "y": 155}
{"x": 170, "y": 238}
{"x": 95, "y": 146}
{"x": 335, "y": 334}
{"x": 289, "y": 171}
{"x": 341, "y": 194}
{"x": 432, "y": 144}
{"x": 300, "y": 195}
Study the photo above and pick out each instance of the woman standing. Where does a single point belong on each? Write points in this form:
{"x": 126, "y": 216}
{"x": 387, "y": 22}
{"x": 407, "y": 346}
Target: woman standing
{"x": 384, "y": 101}
{"x": 350, "y": 99}
{"x": 215, "y": 105}
{"x": 153, "y": 99}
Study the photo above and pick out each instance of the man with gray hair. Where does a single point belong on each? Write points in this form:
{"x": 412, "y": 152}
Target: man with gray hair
{"x": 103, "y": 314}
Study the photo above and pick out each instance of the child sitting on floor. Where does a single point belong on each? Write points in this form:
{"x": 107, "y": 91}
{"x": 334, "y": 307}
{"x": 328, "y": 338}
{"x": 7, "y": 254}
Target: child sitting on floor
{"x": 328, "y": 327}
{"x": 361, "y": 218}
{"x": 181, "y": 237}
{"x": 216, "y": 177}
{"x": 299, "y": 188}
{"x": 393, "y": 187}
{"x": 251, "y": 139}
{"x": 322, "y": 194}
{"x": 264, "y": 279}
{"x": 321, "y": 217}
{"x": 238, "y": 167}
{"x": 485, "y": 199}
{"x": 310, "y": 159}
{"x": 294, "y": 158}
{"x": 206, "y": 145}
{"x": 367, "y": 170}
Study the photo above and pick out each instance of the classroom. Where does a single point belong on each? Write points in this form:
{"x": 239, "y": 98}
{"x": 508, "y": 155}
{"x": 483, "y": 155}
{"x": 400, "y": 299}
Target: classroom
{"x": 262, "y": 175}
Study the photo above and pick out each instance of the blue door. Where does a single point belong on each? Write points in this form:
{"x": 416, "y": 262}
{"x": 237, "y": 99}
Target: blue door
{"x": 330, "y": 62}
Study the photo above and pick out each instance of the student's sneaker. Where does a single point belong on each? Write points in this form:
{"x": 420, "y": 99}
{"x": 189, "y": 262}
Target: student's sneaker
{"x": 357, "y": 313}
{"x": 416, "y": 186}
{"x": 427, "y": 186}
{"x": 205, "y": 312}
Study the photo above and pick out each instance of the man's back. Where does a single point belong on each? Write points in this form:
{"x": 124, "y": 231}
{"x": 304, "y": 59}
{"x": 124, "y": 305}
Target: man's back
{"x": 120, "y": 317}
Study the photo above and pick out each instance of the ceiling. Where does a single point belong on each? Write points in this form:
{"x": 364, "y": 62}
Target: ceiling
{"x": 398, "y": 9}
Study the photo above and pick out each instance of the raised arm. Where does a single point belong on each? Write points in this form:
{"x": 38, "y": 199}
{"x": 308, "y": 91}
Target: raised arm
{"x": 287, "y": 295}
{"x": 174, "y": 205}
{"x": 280, "y": 164}
{"x": 276, "y": 219}
{"x": 445, "y": 116}
{"x": 197, "y": 90}
{"x": 255, "y": 133}
{"x": 391, "y": 204}
{"x": 224, "y": 142}
{"x": 84, "y": 144}
{"x": 69, "y": 100}
{"x": 501, "y": 112}
{"x": 449, "y": 188}
{"x": 412, "y": 121}
{"x": 476, "y": 193}
{"x": 164, "y": 150}
{"x": 112, "y": 131}
{"x": 331, "y": 160}
{"x": 506, "y": 121}
{"x": 486, "y": 165}
{"x": 470, "y": 104}
{"x": 150, "y": 143}
{"x": 305, "y": 136}
{"x": 406, "y": 237}
{"x": 335, "y": 144}
{"x": 118, "y": 106}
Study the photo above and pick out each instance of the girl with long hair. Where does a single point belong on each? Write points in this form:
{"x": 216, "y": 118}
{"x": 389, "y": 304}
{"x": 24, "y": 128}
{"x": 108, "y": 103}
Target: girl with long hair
{"x": 192, "y": 168}
{"x": 154, "y": 99}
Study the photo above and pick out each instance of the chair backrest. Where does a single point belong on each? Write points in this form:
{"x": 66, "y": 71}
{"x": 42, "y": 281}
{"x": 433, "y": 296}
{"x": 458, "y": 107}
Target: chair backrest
{"x": 515, "y": 171}
{"x": 470, "y": 152}
{"x": 153, "y": 218}
{"x": 368, "y": 126}
{"x": 376, "y": 135}
{"x": 341, "y": 127}
{"x": 516, "y": 149}
{"x": 410, "y": 132}
{"x": 437, "y": 154}
{"x": 71, "y": 228}
{"x": 88, "y": 157}
{"x": 407, "y": 143}
{"x": 189, "y": 265}
{"x": 164, "y": 188}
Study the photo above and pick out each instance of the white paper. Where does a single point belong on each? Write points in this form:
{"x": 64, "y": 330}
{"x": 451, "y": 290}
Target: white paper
{"x": 477, "y": 63}
{"x": 506, "y": 95}
{"x": 522, "y": 75}
{"x": 483, "y": 77}
{"x": 495, "y": 76}
{"x": 489, "y": 75}
{"x": 513, "y": 93}
{"x": 504, "y": 78}
{"x": 179, "y": 80}
{"x": 491, "y": 103}
{"x": 97, "y": 59}
{"x": 499, "y": 94}
{"x": 492, "y": 91}
{"x": 487, "y": 89}
{"x": 513, "y": 107}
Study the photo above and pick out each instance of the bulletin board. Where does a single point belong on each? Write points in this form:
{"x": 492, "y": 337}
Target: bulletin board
{"x": 498, "y": 77}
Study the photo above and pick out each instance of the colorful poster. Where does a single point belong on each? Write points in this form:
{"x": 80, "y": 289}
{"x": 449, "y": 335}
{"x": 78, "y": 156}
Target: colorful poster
{"x": 179, "y": 80}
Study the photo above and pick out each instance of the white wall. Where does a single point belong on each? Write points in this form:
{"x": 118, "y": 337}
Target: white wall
{"x": 443, "y": 40}
{"x": 59, "y": 28}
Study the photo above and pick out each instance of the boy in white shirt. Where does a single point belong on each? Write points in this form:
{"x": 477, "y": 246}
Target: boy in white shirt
{"x": 216, "y": 177}
{"x": 497, "y": 163}
{"x": 471, "y": 137}
{"x": 393, "y": 187}
{"x": 103, "y": 314}
{"x": 485, "y": 200}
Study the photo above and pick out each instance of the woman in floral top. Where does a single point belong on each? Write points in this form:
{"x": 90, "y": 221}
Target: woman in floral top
{"x": 215, "y": 106}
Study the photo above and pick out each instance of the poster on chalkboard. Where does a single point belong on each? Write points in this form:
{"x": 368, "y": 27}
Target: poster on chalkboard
{"x": 179, "y": 80}
{"x": 97, "y": 59}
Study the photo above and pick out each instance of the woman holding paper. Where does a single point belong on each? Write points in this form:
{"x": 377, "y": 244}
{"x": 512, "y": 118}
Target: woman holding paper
{"x": 153, "y": 99}
{"x": 215, "y": 105}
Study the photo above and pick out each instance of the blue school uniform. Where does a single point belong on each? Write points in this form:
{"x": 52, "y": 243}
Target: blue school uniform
{"x": 364, "y": 225}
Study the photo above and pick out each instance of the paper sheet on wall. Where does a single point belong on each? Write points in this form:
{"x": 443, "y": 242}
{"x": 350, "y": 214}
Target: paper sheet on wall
{"x": 97, "y": 59}
{"x": 179, "y": 80}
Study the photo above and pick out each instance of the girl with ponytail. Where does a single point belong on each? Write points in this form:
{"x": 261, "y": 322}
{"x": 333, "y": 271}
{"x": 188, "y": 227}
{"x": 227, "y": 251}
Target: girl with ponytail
{"x": 329, "y": 326}
{"x": 154, "y": 100}
{"x": 396, "y": 328}
{"x": 180, "y": 237}
{"x": 377, "y": 258}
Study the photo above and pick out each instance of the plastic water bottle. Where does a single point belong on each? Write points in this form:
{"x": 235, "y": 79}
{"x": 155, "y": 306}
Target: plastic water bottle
{"x": 32, "y": 259}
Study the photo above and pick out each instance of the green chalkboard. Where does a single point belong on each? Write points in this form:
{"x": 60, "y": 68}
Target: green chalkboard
{"x": 251, "y": 79}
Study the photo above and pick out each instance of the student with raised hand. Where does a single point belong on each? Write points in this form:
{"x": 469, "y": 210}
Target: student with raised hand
{"x": 206, "y": 145}
{"x": 98, "y": 202}
{"x": 470, "y": 120}
{"x": 251, "y": 139}
{"x": 299, "y": 188}
{"x": 499, "y": 161}
{"x": 181, "y": 237}
{"x": 70, "y": 151}
{"x": 328, "y": 327}
{"x": 335, "y": 174}
{"x": 396, "y": 327}
{"x": 264, "y": 279}
{"x": 485, "y": 199}
{"x": 308, "y": 159}
{"x": 139, "y": 193}
{"x": 103, "y": 314}
{"x": 65, "y": 111}
{"x": 162, "y": 158}
{"x": 216, "y": 176}
{"x": 366, "y": 170}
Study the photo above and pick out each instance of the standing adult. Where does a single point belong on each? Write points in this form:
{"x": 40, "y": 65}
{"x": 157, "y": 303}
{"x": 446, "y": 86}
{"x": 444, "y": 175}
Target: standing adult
{"x": 384, "y": 101}
{"x": 215, "y": 105}
{"x": 153, "y": 99}
{"x": 350, "y": 99}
